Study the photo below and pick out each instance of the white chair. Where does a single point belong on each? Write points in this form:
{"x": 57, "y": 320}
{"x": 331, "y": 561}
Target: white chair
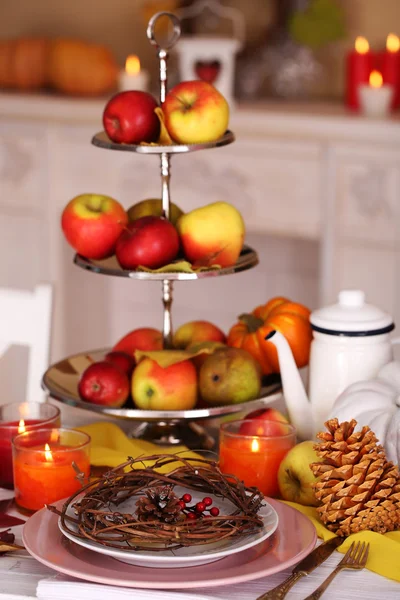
{"x": 25, "y": 319}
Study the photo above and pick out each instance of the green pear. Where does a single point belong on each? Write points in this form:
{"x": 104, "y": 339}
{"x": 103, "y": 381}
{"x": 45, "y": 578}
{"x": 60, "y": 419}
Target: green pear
{"x": 229, "y": 376}
{"x": 153, "y": 207}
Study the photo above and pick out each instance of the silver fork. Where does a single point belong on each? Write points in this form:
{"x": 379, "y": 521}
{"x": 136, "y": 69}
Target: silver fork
{"x": 355, "y": 558}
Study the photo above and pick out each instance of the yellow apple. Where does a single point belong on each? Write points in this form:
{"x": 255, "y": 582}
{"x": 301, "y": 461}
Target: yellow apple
{"x": 153, "y": 207}
{"x": 295, "y": 477}
{"x": 195, "y": 112}
{"x": 212, "y": 234}
{"x": 194, "y": 332}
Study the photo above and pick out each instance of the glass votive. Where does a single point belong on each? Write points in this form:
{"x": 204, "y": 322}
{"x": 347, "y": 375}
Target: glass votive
{"x": 16, "y": 418}
{"x": 47, "y": 465}
{"x": 253, "y": 449}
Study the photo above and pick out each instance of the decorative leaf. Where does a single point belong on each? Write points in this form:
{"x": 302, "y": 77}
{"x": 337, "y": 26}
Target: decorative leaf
{"x": 7, "y": 537}
{"x": 166, "y": 358}
{"x": 322, "y": 22}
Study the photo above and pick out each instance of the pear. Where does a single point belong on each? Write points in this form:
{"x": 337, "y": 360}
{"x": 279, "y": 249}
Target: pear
{"x": 229, "y": 376}
{"x": 212, "y": 235}
{"x": 153, "y": 207}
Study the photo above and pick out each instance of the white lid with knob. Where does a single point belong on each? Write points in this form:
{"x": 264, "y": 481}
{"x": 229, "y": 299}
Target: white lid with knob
{"x": 351, "y": 316}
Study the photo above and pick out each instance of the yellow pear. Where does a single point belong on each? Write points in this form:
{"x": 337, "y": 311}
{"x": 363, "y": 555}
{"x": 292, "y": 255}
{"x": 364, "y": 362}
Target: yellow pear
{"x": 153, "y": 207}
{"x": 212, "y": 234}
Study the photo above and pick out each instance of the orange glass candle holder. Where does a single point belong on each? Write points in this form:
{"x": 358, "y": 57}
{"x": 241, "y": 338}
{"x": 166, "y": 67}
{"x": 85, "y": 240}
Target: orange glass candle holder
{"x": 15, "y": 419}
{"x": 253, "y": 449}
{"x": 46, "y": 464}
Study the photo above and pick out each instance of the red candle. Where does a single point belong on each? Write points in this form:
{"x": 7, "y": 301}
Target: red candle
{"x": 389, "y": 66}
{"x": 255, "y": 459}
{"x": 17, "y": 418}
{"x": 44, "y": 466}
{"x": 360, "y": 63}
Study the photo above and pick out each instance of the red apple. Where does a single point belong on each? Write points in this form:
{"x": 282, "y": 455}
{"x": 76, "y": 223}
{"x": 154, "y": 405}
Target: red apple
{"x": 122, "y": 360}
{"x": 264, "y": 421}
{"x": 159, "y": 388}
{"x": 104, "y": 383}
{"x": 150, "y": 242}
{"x": 195, "y": 112}
{"x": 92, "y": 223}
{"x": 129, "y": 118}
{"x": 144, "y": 338}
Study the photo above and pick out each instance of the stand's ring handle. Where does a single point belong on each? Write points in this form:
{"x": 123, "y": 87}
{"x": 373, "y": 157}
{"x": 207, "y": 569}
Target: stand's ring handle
{"x": 175, "y": 35}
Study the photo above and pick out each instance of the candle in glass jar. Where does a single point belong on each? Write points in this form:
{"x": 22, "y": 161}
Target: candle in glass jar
{"x": 133, "y": 77}
{"x": 359, "y": 67}
{"x": 17, "y": 418}
{"x": 43, "y": 463}
{"x": 253, "y": 450}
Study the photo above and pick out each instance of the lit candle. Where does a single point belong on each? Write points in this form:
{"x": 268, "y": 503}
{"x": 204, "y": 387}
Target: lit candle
{"x": 359, "y": 67}
{"x": 17, "y": 418}
{"x": 253, "y": 450}
{"x": 389, "y": 65}
{"x": 133, "y": 77}
{"x": 375, "y": 97}
{"x": 45, "y": 463}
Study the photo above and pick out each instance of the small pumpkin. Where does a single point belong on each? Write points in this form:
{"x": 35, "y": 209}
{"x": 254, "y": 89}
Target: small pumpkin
{"x": 82, "y": 69}
{"x": 23, "y": 63}
{"x": 376, "y": 403}
{"x": 290, "y": 318}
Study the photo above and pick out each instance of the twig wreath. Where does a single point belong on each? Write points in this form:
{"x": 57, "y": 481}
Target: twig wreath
{"x": 162, "y": 520}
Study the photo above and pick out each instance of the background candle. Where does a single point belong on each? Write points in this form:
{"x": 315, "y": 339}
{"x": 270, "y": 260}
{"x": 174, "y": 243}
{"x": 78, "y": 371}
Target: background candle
{"x": 359, "y": 66}
{"x": 389, "y": 65}
{"x": 17, "y": 418}
{"x": 43, "y": 465}
{"x": 253, "y": 450}
{"x": 133, "y": 77}
{"x": 376, "y": 98}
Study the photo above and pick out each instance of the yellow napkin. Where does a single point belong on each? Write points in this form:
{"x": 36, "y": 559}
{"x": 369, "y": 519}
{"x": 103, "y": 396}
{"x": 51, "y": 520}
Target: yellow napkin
{"x": 384, "y": 550}
{"x": 111, "y": 447}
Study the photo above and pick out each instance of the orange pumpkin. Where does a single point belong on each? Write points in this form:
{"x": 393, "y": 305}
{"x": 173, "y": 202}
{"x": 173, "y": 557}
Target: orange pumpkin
{"x": 290, "y": 318}
{"x": 23, "y": 63}
{"x": 81, "y": 69}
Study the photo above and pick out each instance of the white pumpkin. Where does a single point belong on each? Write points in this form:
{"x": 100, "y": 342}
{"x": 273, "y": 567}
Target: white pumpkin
{"x": 376, "y": 403}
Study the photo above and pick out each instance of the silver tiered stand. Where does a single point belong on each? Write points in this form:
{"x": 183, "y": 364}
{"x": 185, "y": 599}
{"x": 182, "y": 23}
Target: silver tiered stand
{"x": 61, "y": 379}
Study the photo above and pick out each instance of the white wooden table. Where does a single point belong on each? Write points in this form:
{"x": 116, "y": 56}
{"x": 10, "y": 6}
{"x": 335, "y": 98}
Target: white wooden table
{"x": 20, "y": 575}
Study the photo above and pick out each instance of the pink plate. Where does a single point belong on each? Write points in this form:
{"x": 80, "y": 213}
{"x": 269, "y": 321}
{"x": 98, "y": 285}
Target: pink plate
{"x": 294, "y": 539}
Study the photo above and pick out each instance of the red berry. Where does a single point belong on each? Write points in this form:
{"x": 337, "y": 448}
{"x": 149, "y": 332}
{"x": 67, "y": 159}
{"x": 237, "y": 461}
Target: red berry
{"x": 182, "y": 504}
{"x": 200, "y": 507}
{"x": 207, "y": 501}
{"x": 191, "y": 516}
{"x": 187, "y": 498}
{"x": 214, "y": 511}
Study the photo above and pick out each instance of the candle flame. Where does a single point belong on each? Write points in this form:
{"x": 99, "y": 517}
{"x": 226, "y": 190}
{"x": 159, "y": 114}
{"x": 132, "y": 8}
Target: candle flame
{"x": 392, "y": 43}
{"x": 48, "y": 453}
{"x": 375, "y": 79}
{"x": 132, "y": 65}
{"x": 21, "y": 426}
{"x": 362, "y": 45}
{"x": 255, "y": 446}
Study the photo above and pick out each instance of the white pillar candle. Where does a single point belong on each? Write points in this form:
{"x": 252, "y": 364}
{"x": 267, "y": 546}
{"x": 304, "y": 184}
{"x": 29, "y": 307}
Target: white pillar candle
{"x": 133, "y": 77}
{"x": 376, "y": 98}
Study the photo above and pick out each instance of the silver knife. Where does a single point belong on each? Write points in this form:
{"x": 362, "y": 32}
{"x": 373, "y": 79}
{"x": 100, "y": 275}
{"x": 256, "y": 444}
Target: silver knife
{"x": 305, "y": 566}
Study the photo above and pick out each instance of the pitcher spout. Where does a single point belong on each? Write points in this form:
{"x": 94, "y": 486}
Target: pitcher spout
{"x": 298, "y": 406}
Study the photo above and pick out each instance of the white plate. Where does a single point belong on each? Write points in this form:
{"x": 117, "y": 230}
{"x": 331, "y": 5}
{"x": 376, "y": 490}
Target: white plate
{"x": 183, "y": 557}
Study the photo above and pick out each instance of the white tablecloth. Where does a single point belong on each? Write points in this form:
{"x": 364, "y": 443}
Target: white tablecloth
{"x": 21, "y": 576}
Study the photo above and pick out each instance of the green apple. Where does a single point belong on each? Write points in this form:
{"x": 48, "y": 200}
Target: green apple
{"x": 153, "y": 207}
{"x": 295, "y": 478}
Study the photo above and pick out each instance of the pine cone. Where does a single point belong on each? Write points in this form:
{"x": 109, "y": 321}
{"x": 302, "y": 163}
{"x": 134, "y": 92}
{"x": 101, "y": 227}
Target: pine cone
{"x": 358, "y": 488}
{"x": 159, "y": 504}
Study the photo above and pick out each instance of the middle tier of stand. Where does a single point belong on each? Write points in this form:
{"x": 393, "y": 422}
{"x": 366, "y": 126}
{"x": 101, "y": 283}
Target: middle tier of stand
{"x": 248, "y": 259}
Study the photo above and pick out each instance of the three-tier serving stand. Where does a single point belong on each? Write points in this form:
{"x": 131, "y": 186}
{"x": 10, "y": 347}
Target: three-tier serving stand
{"x": 61, "y": 379}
